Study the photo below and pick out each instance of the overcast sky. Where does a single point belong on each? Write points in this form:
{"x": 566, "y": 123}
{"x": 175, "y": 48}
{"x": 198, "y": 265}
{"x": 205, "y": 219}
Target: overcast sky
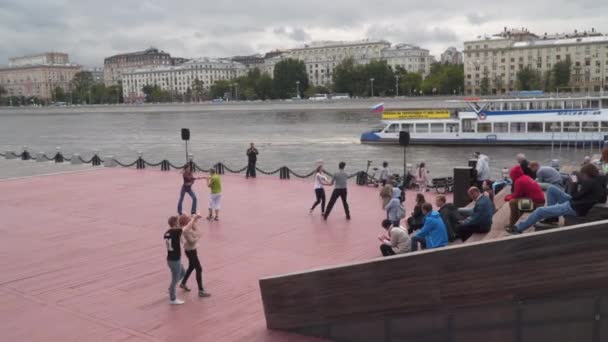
{"x": 91, "y": 30}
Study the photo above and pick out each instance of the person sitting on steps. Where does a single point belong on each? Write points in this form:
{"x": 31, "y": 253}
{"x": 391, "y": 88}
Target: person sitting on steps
{"x": 433, "y": 233}
{"x": 416, "y": 221}
{"x": 527, "y": 191}
{"x": 450, "y": 215}
{"x": 397, "y": 241}
{"x": 481, "y": 219}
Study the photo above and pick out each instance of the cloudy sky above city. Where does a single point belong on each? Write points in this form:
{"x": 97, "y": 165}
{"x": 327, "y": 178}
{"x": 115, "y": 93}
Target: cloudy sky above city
{"x": 92, "y": 30}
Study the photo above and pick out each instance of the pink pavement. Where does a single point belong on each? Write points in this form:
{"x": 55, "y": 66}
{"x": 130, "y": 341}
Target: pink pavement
{"x": 82, "y": 255}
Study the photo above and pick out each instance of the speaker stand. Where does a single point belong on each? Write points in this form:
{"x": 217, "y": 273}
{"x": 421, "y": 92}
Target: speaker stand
{"x": 404, "y": 164}
{"x": 187, "y": 152}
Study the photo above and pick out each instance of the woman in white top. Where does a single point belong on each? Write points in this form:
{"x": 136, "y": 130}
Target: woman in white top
{"x": 320, "y": 181}
{"x": 422, "y": 177}
{"x": 397, "y": 241}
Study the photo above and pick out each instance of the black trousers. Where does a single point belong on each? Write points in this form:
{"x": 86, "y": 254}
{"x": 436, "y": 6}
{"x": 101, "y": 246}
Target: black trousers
{"x": 341, "y": 193}
{"x": 464, "y": 231}
{"x": 194, "y": 265}
{"x": 386, "y": 250}
{"x": 251, "y": 169}
{"x": 320, "y": 194}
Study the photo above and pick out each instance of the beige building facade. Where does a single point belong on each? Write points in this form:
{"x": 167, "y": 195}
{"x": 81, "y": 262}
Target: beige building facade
{"x": 500, "y": 57}
{"x": 115, "y": 66}
{"x": 38, "y": 76}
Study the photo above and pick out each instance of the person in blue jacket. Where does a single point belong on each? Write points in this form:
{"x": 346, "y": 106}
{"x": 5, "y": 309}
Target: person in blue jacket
{"x": 433, "y": 233}
{"x": 481, "y": 220}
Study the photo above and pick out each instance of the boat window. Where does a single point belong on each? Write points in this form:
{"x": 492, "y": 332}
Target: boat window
{"x": 572, "y": 126}
{"x": 553, "y": 126}
{"x": 569, "y": 104}
{"x": 550, "y": 105}
{"x": 484, "y": 127}
{"x": 604, "y": 126}
{"x": 535, "y": 105}
{"x": 407, "y": 127}
{"x": 453, "y": 127}
{"x": 501, "y": 127}
{"x": 591, "y": 126}
{"x": 468, "y": 126}
{"x": 535, "y": 127}
{"x": 437, "y": 128}
{"x": 422, "y": 128}
{"x": 393, "y": 128}
{"x": 518, "y": 127}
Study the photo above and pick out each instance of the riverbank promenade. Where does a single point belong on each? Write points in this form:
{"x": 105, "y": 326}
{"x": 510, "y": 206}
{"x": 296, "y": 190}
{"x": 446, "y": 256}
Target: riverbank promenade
{"x": 83, "y": 256}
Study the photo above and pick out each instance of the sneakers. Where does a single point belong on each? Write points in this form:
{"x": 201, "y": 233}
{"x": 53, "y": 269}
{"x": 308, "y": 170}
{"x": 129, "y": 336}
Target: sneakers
{"x": 216, "y": 218}
{"x": 209, "y": 218}
{"x": 176, "y": 302}
{"x": 184, "y": 287}
{"x": 204, "y": 294}
{"x": 512, "y": 230}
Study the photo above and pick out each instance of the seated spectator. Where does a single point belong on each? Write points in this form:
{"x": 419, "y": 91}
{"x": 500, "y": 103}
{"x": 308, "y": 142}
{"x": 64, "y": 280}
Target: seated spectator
{"x": 546, "y": 175}
{"x": 416, "y": 221}
{"x": 397, "y": 241}
{"x": 433, "y": 233}
{"x": 525, "y": 165}
{"x": 488, "y": 189}
{"x": 589, "y": 189}
{"x": 481, "y": 219}
{"x": 450, "y": 215}
{"x": 526, "y": 190}
{"x": 394, "y": 211}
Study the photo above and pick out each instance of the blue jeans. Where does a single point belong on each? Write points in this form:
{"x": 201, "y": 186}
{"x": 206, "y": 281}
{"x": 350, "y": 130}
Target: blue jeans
{"x": 186, "y": 190}
{"x": 177, "y": 273}
{"x": 415, "y": 240}
{"x": 558, "y": 204}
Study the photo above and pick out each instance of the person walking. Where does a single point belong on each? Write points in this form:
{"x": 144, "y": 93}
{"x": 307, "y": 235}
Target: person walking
{"x": 191, "y": 236}
{"x": 215, "y": 184}
{"x": 320, "y": 182}
{"x": 174, "y": 252}
{"x": 187, "y": 189}
{"x": 252, "y": 158}
{"x": 340, "y": 181}
{"x": 422, "y": 177}
{"x": 384, "y": 174}
{"x": 395, "y": 212}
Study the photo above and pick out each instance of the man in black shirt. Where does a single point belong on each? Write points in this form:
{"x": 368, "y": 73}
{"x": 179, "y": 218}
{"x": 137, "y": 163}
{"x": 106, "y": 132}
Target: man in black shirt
{"x": 174, "y": 252}
{"x": 252, "y": 157}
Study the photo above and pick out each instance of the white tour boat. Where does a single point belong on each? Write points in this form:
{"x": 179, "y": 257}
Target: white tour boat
{"x": 532, "y": 121}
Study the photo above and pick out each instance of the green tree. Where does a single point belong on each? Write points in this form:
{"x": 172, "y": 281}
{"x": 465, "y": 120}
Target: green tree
{"x": 198, "y": 90}
{"x": 529, "y": 79}
{"x": 384, "y": 78}
{"x": 560, "y": 73}
{"x": 286, "y": 73}
{"x": 264, "y": 87}
{"x": 2, "y": 91}
{"x": 59, "y": 95}
{"x": 220, "y": 88}
{"x": 484, "y": 87}
{"x": 444, "y": 79}
{"x": 154, "y": 93}
{"x": 344, "y": 77}
{"x": 81, "y": 85}
{"x": 113, "y": 94}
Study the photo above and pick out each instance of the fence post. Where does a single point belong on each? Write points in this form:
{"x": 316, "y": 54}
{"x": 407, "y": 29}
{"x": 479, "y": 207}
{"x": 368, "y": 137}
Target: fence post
{"x": 284, "y": 172}
{"x": 25, "y": 155}
{"x": 58, "y": 156}
{"x": 140, "y": 164}
{"x": 164, "y": 165}
{"x": 219, "y": 168}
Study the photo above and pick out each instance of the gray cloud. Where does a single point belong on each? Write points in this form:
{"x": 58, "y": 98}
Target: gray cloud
{"x": 90, "y": 31}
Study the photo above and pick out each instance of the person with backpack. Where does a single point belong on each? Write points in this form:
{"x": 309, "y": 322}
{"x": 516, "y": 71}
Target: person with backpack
{"x": 394, "y": 210}
{"x": 397, "y": 241}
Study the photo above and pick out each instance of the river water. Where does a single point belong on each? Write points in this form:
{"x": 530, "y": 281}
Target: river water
{"x": 295, "y": 138}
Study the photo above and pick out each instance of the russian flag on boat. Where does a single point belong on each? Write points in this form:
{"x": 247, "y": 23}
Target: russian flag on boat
{"x": 379, "y": 108}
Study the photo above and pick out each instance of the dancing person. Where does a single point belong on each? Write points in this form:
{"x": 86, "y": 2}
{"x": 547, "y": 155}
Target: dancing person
{"x": 526, "y": 191}
{"x": 191, "y": 236}
{"x": 187, "y": 189}
{"x": 215, "y": 197}
{"x": 480, "y": 220}
{"x": 384, "y": 173}
{"x": 394, "y": 210}
{"x": 397, "y": 241}
{"x": 433, "y": 233}
{"x": 386, "y": 193}
{"x": 340, "y": 181}
{"x": 422, "y": 177}
{"x": 416, "y": 221}
{"x": 320, "y": 182}
{"x": 174, "y": 252}
{"x": 252, "y": 158}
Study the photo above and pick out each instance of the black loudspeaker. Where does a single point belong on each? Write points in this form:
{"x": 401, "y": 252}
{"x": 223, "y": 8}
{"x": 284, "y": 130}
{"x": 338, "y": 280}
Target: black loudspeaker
{"x": 404, "y": 138}
{"x": 462, "y": 183}
{"x": 185, "y": 134}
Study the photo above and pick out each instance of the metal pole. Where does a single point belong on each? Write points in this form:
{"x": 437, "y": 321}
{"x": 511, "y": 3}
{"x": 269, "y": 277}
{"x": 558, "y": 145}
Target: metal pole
{"x": 404, "y": 166}
{"x": 396, "y": 85}
{"x": 186, "y": 151}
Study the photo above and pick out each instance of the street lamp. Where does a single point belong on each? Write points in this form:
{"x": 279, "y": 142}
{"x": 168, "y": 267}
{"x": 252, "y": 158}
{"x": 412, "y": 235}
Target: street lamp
{"x": 236, "y": 91}
{"x": 396, "y": 85}
{"x": 371, "y": 80}
{"x": 298, "y": 89}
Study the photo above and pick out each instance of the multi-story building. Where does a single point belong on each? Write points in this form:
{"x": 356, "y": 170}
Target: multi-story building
{"x": 496, "y": 60}
{"x": 322, "y": 57}
{"x": 115, "y": 66}
{"x": 409, "y": 57}
{"x": 97, "y": 74}
{"x": 251, "y": 61}
{"x": 179, "y": 79}
{"x": 451, "y": 56}
{"x": 39, "y": 75}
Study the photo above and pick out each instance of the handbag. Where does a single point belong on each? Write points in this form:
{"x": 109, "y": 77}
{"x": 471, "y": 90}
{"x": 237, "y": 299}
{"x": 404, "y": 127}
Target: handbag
{"x": 401, "y": 212}
{"x": 525, "y": 205}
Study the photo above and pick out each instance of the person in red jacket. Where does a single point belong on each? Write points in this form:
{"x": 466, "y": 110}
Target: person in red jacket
{"x": 525, "y": 188}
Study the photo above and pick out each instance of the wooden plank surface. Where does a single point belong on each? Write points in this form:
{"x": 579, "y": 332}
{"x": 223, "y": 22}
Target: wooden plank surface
{"x": 498, "y": 271}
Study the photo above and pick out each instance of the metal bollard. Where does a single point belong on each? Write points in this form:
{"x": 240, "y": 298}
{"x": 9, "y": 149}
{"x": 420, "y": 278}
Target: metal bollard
{"x": 164, "y": 165}
{"x": 284, "y": 172}
{"x": 95, "y": 161}
{"x": 75, "y": 159}
{"x": 25, "y": 155}
{"x": 108, "y": 161}
{"x": 219, "y": 168}
{"x": 58, "y": 157}
{"x": 40, "y": 157}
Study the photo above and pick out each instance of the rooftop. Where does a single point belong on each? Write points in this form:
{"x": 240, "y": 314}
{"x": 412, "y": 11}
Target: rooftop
{"x": 85, "y": 250}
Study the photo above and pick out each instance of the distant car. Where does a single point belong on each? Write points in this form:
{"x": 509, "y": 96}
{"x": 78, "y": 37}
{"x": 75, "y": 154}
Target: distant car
{"x": 219, "y": 99}
{"x": 319, "y": 97}
{"x": 340, "y": 96}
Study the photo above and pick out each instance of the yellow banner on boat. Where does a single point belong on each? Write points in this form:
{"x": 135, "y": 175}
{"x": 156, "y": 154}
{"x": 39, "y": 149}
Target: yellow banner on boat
{"x": 416, "y": 114}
